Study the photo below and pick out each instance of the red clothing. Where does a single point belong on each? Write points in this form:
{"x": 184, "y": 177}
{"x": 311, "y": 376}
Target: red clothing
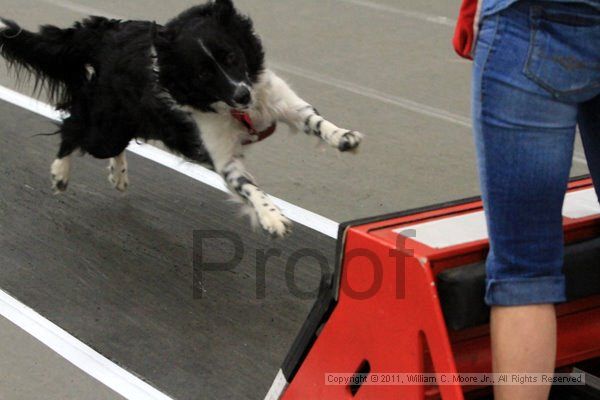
{"x": 466, "y": 28}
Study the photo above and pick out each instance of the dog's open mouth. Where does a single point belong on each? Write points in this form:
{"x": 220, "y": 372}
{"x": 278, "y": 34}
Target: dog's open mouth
{"x": 235, "y": 106}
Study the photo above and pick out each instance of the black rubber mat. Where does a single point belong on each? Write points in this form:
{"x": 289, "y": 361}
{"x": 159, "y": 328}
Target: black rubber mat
{"x": 116, "y": 270}
{"x": 462, "y": 289}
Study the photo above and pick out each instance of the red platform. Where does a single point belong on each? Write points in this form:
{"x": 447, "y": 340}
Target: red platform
{"x": 383, "y": 308}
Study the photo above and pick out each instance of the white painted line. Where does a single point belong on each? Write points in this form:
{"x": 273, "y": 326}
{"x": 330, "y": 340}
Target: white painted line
{"x": 436, "y": 19}
{"x": 298, "y": 214}
{"x": 29, "y": 103}
{"x": 375, "y": 95}
{"x": 76, "y": 352}
{"x": 278, "y": 387}
{"x": 398, "y": 101}
{"x": 80, "y": 9}
{"x": 472, "y": 227}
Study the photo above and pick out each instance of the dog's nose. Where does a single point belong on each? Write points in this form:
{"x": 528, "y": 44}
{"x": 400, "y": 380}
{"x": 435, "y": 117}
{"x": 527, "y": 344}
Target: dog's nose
{"x": 242, "y": 95}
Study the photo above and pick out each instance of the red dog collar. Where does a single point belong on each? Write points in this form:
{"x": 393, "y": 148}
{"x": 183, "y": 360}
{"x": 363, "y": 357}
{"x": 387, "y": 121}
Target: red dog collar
{"x": 257, "y": 136}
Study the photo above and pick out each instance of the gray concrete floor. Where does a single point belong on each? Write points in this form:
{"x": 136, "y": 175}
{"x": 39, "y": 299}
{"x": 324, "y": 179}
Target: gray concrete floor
{"x": 29, "y": 370}
{"x": 384, "y": 67}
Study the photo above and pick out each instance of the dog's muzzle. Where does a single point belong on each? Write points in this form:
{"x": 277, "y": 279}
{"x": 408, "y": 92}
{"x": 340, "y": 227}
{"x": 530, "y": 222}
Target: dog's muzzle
{"x": 242, "y": 95}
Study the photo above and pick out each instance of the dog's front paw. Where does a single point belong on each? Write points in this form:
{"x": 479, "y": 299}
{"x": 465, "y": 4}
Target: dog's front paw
{"x": 118, "y": 177}
{"x": 59, "y": 172}
{"x": 272, "y": 220}
{"x": 349, "y": 141}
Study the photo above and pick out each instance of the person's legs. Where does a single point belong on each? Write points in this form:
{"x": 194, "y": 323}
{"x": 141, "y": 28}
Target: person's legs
{"x": 523, "y": 340}
{"x": 524, "y": 138}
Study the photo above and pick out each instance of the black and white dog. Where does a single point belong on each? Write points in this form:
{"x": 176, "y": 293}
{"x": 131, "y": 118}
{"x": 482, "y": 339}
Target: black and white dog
{"x": 198, "y": 84}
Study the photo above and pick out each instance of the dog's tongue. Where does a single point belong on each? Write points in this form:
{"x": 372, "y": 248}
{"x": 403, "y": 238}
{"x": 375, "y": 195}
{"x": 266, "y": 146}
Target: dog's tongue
{"x": 245, "y": 119}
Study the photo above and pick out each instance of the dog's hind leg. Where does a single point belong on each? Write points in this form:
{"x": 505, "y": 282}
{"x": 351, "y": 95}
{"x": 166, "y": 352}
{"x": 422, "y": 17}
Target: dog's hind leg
{"x": 300, "y": 115}
{"x": 118, "y": 175}
{"x": 61, "y": 168}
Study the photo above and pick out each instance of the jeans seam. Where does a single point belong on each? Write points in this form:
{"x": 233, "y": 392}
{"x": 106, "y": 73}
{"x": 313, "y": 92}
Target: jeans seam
{"x": 485, "y": 65}
{"x": 484, "y": 69}
{"x": 532, "y": 37}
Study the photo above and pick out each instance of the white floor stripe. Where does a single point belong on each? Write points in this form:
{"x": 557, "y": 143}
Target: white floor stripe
{"x": 210, "y": 178}
{"x": 375, "y": 94}
{"x": 304, "y": 217}
{"x": 80, "y": 355}
{"x": 398, "y": 101}
{"x": 278, "y": 387}
{"x": 80, "y": 9}
{"x": 29, "y": 103}
{"x": 436, "y": 19}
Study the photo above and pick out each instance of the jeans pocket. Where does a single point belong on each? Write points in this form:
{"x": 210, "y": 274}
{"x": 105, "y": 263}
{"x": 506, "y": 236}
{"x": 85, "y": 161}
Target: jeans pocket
{"x": 564, "y": 52}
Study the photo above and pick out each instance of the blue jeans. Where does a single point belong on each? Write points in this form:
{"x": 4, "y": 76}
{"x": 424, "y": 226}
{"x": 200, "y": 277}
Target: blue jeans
{"x": 536, "y": 77}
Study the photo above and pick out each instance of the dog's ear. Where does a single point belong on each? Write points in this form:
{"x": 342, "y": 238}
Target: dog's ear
{"x": 224, "y": 9}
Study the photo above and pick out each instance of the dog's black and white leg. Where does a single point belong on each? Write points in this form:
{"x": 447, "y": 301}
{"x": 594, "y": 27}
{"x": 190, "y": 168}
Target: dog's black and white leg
{"x": 223, "y": 143}
{"x": 314, "y": 124}
{"x": 261, "y": 209}
{"x": 299, "y": 114}
{"x": 118, "y": 175}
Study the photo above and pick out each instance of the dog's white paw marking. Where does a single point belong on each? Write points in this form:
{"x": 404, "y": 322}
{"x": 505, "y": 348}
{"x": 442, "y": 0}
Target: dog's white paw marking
{"x": 342, "y": 139}
{"x": 59, "y": 172}
{"x": 90, "y": 72}
{"x": 119, "y": 181}
{"x": 2, "y": 25}
{"x": 272, "y": 220}
{"x": 349, "y": 140}
{"x": 118, "y": 176}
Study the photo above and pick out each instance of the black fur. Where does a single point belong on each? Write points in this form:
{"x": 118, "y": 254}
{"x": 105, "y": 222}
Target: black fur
{"x": 125, "y": 98}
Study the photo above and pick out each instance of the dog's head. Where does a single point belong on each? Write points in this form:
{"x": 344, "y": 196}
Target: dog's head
{"x": 211, "y": 57}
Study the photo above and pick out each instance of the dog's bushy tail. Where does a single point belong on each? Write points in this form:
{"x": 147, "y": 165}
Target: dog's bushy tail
{"x": 48, "y": 56}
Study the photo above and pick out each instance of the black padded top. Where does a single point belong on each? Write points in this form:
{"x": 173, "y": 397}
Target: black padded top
{"x": 462, "y": 289}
